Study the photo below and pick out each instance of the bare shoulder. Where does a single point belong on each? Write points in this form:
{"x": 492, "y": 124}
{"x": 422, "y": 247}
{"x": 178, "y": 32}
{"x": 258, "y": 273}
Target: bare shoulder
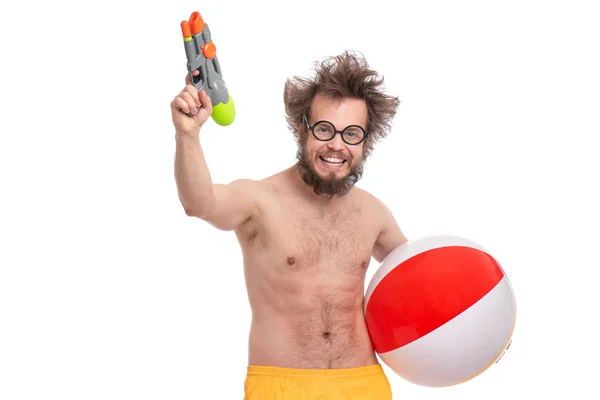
{"x": 278, "y": 184}
{"x": 258, "y": 187}
{"x": 235, "y": 203}
{"x": 246, "y": 185}
{"x": 242, "y": 190}
{"x": 259, "y": 190}
{"x": 390, "y": 234}
{"x": 376, "y": 209}
{"x": 272, "y": 184}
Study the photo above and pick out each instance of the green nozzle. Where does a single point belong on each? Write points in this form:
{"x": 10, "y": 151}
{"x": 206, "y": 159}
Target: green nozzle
{"x": 224, "y": 113}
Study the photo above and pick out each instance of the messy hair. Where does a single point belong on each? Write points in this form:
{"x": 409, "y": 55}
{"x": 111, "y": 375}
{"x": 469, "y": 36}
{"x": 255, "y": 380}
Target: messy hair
{"x": 344, "y": 76}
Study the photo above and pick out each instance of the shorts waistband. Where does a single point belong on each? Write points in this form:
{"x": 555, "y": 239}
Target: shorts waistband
{"x": 258, "y": 371}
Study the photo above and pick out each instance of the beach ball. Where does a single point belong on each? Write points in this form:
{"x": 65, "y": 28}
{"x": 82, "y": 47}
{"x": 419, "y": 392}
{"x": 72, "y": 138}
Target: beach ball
{"x": 440, "y": 310}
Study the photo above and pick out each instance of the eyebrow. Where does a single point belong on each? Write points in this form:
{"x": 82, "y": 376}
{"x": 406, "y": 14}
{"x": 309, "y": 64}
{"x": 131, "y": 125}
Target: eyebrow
{"x": 335, "y": 125}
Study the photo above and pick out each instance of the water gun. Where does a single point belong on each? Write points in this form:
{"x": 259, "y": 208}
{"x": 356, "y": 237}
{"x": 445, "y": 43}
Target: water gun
{"x": 201, "y": 55}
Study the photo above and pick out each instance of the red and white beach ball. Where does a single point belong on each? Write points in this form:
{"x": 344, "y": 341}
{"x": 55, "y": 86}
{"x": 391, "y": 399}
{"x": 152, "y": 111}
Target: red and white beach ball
{"x": 440, "y": 310}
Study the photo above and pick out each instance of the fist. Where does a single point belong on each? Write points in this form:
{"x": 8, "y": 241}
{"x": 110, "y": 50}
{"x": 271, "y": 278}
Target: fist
{"x": 190, "y": 109}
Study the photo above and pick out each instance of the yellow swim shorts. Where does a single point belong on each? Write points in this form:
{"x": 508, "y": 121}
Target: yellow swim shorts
{"x": 274, "y": 383}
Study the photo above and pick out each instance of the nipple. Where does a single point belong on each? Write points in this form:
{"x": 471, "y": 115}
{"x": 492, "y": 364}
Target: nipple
{"x": 364, "y": 264}
{"x": 291, "y": 260}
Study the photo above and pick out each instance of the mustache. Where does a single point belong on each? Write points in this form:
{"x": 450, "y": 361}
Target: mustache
{"x": 334, "y": 154}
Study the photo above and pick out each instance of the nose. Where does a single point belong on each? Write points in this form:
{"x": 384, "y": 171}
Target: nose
{"x": 336, "y": 143}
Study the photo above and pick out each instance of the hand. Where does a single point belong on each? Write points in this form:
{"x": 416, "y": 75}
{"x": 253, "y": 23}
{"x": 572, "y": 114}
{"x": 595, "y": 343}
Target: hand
{"x": 190, "y": 109}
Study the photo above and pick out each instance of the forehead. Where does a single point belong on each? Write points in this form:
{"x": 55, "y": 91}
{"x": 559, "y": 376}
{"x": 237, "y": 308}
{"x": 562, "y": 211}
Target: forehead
{"x": 342, "y": 112}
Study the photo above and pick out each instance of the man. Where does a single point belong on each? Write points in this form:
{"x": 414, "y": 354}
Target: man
{"x": 307, "y": 233}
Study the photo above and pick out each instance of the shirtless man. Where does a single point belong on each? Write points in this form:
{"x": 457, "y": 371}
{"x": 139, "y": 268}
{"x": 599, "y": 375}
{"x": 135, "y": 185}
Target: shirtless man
{"x": 307, "y": 233}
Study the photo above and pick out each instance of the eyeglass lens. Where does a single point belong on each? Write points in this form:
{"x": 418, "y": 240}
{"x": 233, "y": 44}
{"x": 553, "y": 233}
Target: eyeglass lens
{"x": 325, "y": 131}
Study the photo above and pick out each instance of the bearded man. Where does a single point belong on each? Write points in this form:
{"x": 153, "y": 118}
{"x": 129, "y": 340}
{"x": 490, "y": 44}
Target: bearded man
{"x": 307, "y": 233}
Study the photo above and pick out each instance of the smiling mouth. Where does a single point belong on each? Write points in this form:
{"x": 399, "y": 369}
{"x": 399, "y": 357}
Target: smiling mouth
{"x": 333, "y": 161}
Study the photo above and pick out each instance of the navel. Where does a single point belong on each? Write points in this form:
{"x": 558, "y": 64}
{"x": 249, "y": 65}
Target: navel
{"x": 326, "y": 335}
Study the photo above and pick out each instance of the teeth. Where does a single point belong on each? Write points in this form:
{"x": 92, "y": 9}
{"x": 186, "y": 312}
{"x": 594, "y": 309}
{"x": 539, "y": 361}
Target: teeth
{"x": 333, "y": 160}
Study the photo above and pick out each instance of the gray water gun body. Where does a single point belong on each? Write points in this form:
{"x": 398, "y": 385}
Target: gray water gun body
{"x": 201, "y": 54}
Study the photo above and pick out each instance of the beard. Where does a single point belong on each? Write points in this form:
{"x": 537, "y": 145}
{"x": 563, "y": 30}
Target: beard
{"x": 330, "y": 185}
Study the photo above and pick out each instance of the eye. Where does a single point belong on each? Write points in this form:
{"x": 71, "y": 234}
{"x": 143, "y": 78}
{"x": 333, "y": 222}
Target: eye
{"x": 324, "y": 130}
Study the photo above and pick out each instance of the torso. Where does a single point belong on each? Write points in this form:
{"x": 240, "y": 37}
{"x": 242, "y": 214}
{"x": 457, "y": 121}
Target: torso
{"x": 305, "y": 268}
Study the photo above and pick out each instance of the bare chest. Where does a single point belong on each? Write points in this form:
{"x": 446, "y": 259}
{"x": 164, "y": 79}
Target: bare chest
{"x": 317, "y": 240}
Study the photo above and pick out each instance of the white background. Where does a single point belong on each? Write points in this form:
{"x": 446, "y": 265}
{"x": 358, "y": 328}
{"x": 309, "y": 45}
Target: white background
{"x": 109, "y": 291}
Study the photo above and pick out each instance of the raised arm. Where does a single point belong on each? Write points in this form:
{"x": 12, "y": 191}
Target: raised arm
{"x": 390, "y": 234}
{"x": 223, "y": 206}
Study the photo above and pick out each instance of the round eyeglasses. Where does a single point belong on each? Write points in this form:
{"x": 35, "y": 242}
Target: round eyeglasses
{"x": 325, "y": 131}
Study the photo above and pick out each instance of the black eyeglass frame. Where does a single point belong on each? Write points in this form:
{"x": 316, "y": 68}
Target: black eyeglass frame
{"x": 335, "y": 132}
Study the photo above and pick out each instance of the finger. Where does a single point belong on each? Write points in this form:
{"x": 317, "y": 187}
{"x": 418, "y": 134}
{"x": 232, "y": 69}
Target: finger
{"x": 180, "y": 104}
{"x": 194, "y": 93}
{"x": 189, "y": 99}
{"x": 205, "y": 100}
{"x": 188, "y": 78}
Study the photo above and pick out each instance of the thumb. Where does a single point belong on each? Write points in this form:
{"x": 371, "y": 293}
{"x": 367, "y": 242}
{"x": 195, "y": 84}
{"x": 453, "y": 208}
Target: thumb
{"x": 206, "y": 101}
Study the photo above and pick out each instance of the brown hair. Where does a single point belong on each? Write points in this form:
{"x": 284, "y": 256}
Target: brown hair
{"x": 344, "y": 76}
